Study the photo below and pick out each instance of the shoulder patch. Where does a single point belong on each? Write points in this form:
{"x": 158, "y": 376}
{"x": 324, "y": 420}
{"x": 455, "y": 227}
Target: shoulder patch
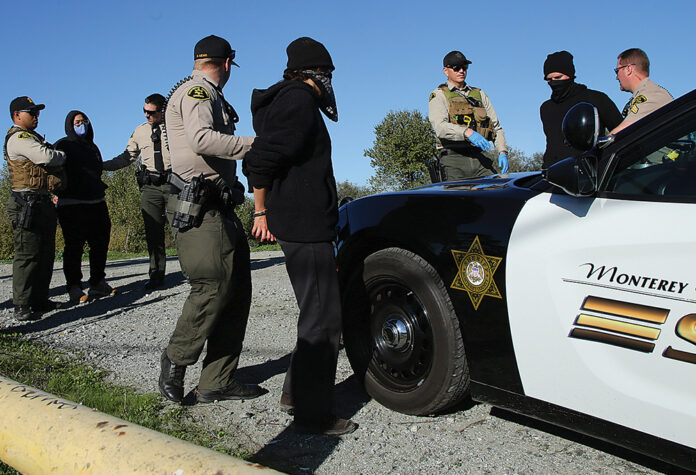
{"x": 24, "y": 135}
{"x": 432, "y": 96}
{"x": 640, "y": 99}
{"x": 198, "y": 93}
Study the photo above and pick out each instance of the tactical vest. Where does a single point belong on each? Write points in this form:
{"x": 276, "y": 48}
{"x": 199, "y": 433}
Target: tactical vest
{"x": 27, "y": 175}
{"x": 468, "y": 111}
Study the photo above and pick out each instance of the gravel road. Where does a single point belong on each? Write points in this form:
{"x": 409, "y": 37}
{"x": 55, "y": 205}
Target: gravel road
{"x": 125, "y": 335}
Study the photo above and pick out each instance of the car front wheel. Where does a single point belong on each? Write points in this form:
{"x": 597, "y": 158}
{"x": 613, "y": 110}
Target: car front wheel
{"x": 401, "y": 332}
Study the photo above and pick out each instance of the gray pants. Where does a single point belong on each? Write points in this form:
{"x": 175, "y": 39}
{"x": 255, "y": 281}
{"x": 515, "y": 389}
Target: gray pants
{"x": 214, "y": 258}
{"x": 153, "y": 204}
{"x": 35, "y": 248}
{"x": 458, "y": 166}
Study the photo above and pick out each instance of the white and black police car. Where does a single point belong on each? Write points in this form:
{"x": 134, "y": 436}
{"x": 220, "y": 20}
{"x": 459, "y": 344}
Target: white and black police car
{"x": 567, "y": 295}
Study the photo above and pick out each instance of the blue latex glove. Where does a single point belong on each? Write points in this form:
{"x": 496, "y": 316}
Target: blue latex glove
{"x": 479, "y": 141}
{"x": 503, "y": 162}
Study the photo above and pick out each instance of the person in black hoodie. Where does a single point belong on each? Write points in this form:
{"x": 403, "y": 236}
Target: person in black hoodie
{"x": 559, "y": 72}
{"x": 289, "y": 169}
{"x": 82, "y": 211}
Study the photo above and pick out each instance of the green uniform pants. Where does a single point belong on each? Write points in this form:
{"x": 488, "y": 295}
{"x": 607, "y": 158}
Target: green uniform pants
{"x": 34, "y": 252}
{"x": 215, "y": 259}
{"x": 461, "y": 167}
{"x": 153, "y": 204}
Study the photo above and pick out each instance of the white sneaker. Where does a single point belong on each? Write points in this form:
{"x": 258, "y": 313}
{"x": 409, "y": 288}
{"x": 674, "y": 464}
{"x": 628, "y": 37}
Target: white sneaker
{"x": 102, "y": 289}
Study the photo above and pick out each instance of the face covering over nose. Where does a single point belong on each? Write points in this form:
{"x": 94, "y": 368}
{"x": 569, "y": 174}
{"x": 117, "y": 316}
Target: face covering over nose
{"x": 560, "y": 88}
{"x": 81, "y": 129}
{"x": 327, "y": 100}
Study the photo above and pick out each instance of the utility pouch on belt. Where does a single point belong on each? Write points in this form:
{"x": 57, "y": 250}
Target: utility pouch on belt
{"x": 28, "y": 211}
{"x": 141, "y": 176}
{"x": 187, "y": 209}
{"x": 232, "y": 196}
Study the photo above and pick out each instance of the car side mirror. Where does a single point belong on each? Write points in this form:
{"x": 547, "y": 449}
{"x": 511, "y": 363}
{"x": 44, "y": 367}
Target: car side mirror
{"x": 577, "y": 176}
{"x": 581, "y": 126}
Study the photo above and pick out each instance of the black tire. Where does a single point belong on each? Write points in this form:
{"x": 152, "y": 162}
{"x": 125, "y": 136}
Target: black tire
{"x": 402, "y": 335}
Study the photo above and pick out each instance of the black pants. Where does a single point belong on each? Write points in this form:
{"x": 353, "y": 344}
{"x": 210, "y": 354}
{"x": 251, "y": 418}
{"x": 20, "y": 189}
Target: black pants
{"x": 310, "y": 378}
{"x": 84, "y": 223}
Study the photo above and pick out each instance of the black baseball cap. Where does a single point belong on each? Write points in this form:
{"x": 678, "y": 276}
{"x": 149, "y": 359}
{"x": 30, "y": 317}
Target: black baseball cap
{"x": 24, "y": 103}
{"x": 214, "y": 47}
{"x": 455, "y": 58}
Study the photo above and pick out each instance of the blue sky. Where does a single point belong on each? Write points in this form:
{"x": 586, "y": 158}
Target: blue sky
{"x": 105, "y": 57}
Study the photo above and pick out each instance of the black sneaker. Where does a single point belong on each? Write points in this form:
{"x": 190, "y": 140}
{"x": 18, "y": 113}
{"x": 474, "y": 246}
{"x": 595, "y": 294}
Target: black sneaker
{"x": 45, "y": 306}
{"x": 171, "y": 380}
{"x": 24, "y": 313}
{"x": 234, "y": 391}
{"x": 337, "y": 427}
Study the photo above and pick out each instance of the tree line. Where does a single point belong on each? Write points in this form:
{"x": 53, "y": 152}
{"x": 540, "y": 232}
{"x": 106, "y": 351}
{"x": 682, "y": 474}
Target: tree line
{"x": 403, "y": 146}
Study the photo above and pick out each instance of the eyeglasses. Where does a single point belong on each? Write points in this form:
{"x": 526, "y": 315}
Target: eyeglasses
{"x": 80, "y": 122}
{"x": 34, "y": 112}
{"x": 616, "y": 70}
{"x": 458, "y": 68}
{"x": 147, "y": 112}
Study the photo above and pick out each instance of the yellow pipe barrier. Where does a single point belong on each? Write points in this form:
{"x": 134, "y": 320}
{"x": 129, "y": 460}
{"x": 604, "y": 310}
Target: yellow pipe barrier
{"x": 40, "y": 433}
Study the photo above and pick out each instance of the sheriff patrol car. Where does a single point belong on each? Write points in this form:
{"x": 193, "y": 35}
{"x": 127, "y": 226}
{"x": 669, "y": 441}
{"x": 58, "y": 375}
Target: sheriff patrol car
{"x": 568, "y": 296}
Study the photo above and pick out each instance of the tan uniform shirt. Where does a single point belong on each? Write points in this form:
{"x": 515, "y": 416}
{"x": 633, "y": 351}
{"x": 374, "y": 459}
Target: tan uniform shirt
{"x": 438, "y": 112}
{"x": 200, "y": 131}
{"x": 140, "y": 144}
{"x": 26, "y": 146}
{"x": 647, "y": 98}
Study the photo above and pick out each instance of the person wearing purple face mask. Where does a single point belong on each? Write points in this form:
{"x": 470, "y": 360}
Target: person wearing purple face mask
{"x": 82, "y": 211}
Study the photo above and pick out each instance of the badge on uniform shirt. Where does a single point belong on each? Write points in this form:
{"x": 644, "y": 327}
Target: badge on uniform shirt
{"x": 638, "y": 100}
{"x": 198, "y": 93}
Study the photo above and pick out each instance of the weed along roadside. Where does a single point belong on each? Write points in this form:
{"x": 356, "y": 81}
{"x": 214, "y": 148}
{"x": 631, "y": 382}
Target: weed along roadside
{"x": 42, "y": 432}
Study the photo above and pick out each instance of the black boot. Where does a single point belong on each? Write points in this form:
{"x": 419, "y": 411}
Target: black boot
{"x": 171, "y": 380}
{"x": 23, "y": 313}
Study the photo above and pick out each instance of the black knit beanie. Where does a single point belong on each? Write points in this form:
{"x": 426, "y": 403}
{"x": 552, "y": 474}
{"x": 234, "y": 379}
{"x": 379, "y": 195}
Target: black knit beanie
{"x": 559, "y": 62}
{"x": 306, "y": 53}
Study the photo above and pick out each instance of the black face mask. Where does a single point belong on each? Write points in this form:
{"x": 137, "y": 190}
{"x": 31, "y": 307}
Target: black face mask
{"x": 327, "y": 100}
{"x": 560, "y": 88}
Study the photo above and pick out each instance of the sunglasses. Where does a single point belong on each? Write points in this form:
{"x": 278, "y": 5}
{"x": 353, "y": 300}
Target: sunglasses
{"x": 458, "y": 68}
{"x": 616, "y": 70}
{"x": 34, "y": 112}
{"x": 80, "y": 122}
{"x": 147, "y": 112}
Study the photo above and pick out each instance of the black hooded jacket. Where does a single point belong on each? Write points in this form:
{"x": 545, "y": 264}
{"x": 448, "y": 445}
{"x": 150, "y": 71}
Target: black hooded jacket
{"x": 291, "y": 158}
{"x": 552, "y": 114}
{"x": 83, "y": 165}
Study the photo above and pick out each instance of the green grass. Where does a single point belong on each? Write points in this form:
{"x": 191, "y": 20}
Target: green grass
{"x": 63, "y": 375}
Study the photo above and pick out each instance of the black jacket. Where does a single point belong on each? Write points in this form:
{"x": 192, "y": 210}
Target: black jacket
{"x": 291, "y": 158}
{"x": 83, "y": 164}
{"x": 552, "y": 114}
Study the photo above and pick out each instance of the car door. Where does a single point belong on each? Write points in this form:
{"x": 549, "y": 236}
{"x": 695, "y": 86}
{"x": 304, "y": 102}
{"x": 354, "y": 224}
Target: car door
{"x": 602, "y": 291}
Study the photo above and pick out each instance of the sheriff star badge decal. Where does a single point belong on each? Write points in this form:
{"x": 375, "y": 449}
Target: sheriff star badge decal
{"x": 475, "y": 273}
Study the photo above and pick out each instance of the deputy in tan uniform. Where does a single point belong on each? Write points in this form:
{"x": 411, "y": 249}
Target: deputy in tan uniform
{"x": 632, "y": 71}
{"x": 146, "y": 142}
{"x": 31, "y": 160}
{"x": 212, "y": 246}
{"x": 465, "y": 123}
